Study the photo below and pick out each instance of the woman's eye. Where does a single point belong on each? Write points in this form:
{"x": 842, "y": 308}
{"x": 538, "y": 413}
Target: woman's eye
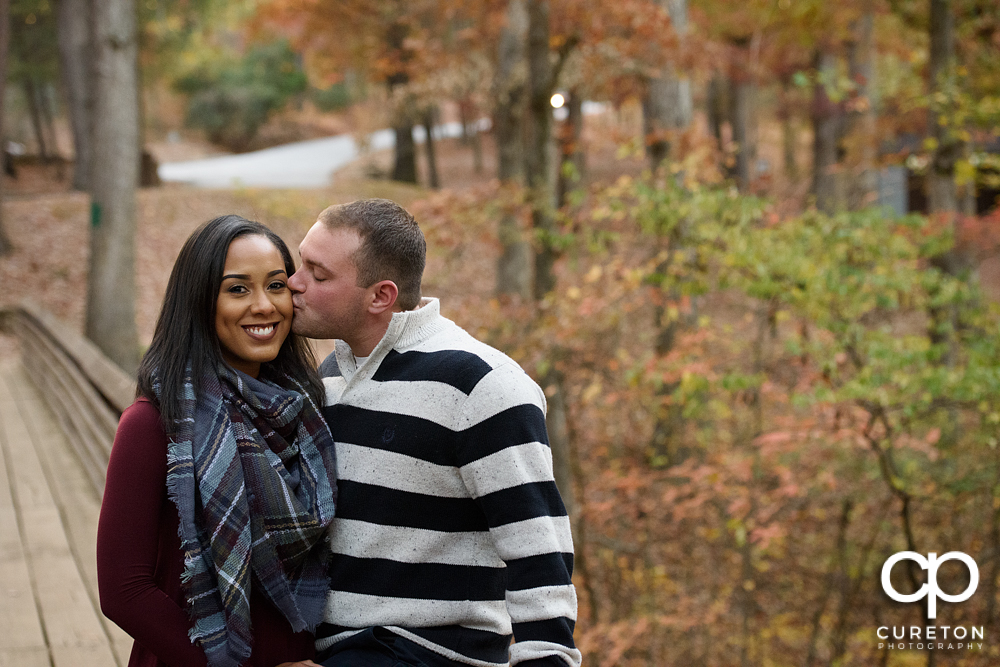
{"x": 277, "y": 285}
{"x": 237, "y": 289}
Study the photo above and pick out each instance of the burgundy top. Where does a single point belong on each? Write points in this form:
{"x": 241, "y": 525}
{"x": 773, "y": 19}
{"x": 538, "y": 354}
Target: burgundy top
{"x": 139, "y": 559}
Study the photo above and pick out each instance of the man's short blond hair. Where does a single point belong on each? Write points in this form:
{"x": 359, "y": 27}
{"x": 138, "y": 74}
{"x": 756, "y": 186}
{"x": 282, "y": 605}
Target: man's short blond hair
{"x": 392, "y": 245}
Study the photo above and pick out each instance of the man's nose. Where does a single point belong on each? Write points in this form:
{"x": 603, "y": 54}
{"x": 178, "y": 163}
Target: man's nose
{"x": 295, "y": 283}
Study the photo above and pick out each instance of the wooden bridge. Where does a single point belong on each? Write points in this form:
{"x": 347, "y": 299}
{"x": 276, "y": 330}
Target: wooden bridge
{"x": 59, "y": 406}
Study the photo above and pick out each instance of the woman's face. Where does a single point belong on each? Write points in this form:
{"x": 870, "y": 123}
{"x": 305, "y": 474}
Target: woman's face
{"x": 253, "y": 313}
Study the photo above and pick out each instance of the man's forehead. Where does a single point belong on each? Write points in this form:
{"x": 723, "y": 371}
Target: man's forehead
{"x": 321, "y": 237}
{"x": 328, "y": 247}
{"x": 310, "y": 237}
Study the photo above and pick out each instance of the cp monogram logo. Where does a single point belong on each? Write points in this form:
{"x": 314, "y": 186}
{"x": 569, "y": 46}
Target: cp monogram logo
{"x": 930, "y": 589}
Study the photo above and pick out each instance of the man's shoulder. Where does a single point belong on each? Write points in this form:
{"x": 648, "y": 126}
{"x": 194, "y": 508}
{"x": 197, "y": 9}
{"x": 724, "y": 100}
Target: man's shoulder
{"x": 451, "y": 355}
{"x": 452, "y": 337}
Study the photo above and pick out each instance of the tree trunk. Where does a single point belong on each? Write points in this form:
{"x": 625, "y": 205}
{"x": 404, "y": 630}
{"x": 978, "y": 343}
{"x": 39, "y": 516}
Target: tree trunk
{"x": 667, "y": 104}
{"x": 471, "y": 136}
{"x": 76, "y": 59}
{"x": 463, "y": 119}
{"x": 538, "y": 162}
{"x": 667, "y": 109}
{"x": 742, "y": 93}
{"x": 788, "y": 133}
{"x": 656, "y": 120}
{"x": 826, "y": 134}
{"x": 405, "y": 164}
{"x": 110, "y": 320}
{"x": 744, "y": 598}
{"x": 35, "y": 113}
{"x": 477, "y": 150}
{"x": 432, "y": 170}
{"x": 542, "y": 76}
{"x": 715, "y": 107}
{"x": 666, "y": 446}
{"x": 571, "y": 157}
{"x": 862, "y": 120}
{"x": 942, "y": 197}
{"x": 941, "y": 190}
{"x": 834, "y": 582}
{"x": 45, "y": 100}
{"x": 5, "y": 245}
{"x": 557, "y": 425}
{"x": 514, "y": 269}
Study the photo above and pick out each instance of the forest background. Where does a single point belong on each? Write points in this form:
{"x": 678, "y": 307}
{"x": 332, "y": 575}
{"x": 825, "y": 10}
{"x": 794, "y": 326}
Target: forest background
{"x": 757, "y": 279}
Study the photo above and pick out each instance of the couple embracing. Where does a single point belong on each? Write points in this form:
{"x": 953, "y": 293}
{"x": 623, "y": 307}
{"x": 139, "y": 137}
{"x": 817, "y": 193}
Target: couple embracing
{"x": 394, "y": 508}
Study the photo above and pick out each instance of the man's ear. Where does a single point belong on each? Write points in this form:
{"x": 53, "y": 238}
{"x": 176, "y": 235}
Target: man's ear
{"x": 383, "y": 297}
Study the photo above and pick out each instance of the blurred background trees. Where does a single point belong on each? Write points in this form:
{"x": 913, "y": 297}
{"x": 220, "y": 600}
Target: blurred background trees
{"x": 5, "y": 243}
{"x": 752, "y": 259}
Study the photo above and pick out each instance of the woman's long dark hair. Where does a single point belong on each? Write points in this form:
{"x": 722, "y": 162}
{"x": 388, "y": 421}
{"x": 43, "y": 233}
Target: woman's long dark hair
{"x": 185, "y": 329}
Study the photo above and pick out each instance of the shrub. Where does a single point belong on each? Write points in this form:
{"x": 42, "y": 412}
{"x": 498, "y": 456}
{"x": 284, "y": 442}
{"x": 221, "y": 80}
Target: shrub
{"x": 232, "y": 100}
{"x": 337, "y": 96}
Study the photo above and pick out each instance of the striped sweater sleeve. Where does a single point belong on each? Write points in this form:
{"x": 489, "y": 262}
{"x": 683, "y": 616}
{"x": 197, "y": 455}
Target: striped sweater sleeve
{"x": 506, "y": 464}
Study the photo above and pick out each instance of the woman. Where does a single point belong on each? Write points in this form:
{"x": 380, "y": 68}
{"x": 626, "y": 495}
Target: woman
{"x": 210, "y": 546}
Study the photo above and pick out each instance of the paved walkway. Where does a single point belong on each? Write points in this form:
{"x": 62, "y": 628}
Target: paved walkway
{"x": 49, "y": 610}
{"x": 303, "y": 164}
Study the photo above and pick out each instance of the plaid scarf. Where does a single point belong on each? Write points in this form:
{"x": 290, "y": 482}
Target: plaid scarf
{"x": 251, "y": 469}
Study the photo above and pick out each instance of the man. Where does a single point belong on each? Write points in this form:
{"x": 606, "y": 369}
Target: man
{"x": 450, "y": 535}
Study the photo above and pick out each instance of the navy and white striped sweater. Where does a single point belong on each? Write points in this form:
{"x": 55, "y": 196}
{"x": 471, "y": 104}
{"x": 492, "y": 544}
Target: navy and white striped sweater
{"x": 449, "y": 530}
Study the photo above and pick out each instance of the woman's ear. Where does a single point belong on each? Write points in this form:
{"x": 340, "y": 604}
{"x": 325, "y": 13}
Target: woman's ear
{"x": 383, "y": 297}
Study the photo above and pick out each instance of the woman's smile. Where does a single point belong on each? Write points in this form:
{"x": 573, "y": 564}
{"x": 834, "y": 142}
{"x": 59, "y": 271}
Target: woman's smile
{"x": 260, "y": 331}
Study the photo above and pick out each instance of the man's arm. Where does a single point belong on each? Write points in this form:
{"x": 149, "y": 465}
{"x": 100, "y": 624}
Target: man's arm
{"x": 506, "y": 464}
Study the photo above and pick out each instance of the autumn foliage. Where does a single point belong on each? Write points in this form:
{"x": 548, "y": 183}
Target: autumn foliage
{"x": 820, "y": 421}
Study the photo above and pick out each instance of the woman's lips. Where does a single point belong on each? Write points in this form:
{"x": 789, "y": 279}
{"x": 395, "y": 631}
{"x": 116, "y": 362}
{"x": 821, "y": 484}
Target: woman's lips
{"x": 261, "y": 331}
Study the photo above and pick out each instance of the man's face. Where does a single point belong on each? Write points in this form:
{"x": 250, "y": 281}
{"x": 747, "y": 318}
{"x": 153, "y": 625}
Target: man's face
{"x": 328, "y": 302}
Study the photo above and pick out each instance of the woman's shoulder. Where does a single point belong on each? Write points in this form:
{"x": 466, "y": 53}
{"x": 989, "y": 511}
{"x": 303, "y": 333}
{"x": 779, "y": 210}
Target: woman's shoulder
{"x": 142, "y": 415}
{"x": 140, "y": 436}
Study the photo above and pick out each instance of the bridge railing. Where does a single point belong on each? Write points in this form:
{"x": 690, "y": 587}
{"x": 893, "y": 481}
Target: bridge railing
{"x": 84, "y": 389}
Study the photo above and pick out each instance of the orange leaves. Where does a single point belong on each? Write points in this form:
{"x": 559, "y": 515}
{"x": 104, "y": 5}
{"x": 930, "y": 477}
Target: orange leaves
{"x": 375, "y": 41}
{"x": 613, "y": 641}
{"x": 764, "y": 535}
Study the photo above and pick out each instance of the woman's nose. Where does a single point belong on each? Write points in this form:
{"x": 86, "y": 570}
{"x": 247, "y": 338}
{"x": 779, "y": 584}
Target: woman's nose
{"x": 262, "y": 303}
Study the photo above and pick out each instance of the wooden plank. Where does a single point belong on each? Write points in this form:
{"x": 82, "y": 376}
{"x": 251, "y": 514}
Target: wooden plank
{"x": 59, "y": 387}
{"x": 22, "y": 640}
{"x": 81, "y": 655}
{"x": 22, "y": 627}
{"x": 30, "y": 657}
{"x": 81, "y": 511}
{"x": 104, "y": 417}
{"x": 109, "y": 379}
{"x": 68, "y": 616}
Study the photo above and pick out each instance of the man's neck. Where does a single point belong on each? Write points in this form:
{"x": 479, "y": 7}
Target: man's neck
{"x": 365, "y": 344}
